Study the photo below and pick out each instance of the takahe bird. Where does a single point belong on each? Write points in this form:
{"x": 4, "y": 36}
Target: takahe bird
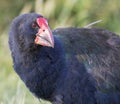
{"x": 66, "y": 65}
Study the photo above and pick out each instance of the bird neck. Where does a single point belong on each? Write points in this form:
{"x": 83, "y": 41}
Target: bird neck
{"x": 40, "y": 66}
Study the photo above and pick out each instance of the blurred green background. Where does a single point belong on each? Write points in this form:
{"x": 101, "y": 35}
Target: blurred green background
{"x": 60, "y": 13}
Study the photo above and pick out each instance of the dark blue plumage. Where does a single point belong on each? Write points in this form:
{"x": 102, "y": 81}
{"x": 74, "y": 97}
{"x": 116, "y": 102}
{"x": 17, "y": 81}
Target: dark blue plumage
{"x": 82, "y": 68}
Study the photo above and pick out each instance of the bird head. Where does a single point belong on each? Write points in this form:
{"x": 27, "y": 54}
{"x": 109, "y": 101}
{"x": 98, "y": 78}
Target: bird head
{"x": 32, "y": 28}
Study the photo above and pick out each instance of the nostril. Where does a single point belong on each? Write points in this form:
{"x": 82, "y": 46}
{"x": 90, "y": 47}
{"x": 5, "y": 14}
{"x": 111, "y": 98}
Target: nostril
{"x": 43, "y": 30}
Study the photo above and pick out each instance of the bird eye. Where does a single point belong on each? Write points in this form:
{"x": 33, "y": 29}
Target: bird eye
{"x": 34, "y": 25}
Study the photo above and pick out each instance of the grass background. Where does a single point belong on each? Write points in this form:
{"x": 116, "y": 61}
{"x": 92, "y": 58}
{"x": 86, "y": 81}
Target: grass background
{"x": 60, "y": 13}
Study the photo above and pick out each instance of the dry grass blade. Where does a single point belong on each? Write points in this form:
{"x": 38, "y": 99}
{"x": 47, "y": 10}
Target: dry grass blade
{"x": 93, "y": 23}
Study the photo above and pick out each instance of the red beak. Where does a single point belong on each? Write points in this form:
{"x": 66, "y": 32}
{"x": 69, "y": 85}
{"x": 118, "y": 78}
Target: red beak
{"x": 44, "y": 36}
